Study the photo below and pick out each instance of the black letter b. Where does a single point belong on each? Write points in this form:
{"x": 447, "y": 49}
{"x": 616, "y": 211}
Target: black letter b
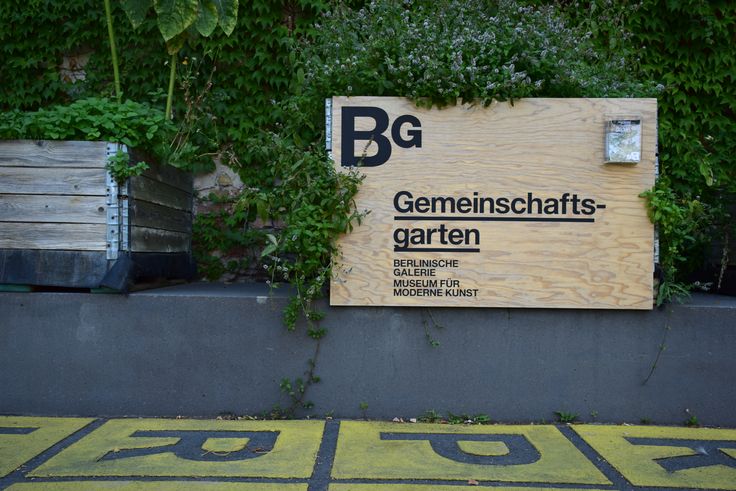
{"x": 349, "y": 135}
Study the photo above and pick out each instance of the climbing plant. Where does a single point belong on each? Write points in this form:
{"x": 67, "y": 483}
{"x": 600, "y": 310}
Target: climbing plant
{"x": 177, "y": 20}
{"x": 41, "y": 43}
{"x": 688, "y": 46}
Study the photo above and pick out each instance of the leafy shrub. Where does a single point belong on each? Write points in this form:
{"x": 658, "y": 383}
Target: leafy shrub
{"x": 131, "y": 123}
{"x": 226, "y": 240}
{"x": 688, "y": 45}
{"x": 439, "y": 52}
{"x": 315, "y": 205}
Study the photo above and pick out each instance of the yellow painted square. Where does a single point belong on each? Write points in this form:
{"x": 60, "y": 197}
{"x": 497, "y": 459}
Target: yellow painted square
{"x": 224, "y": 444}
{"x": 293, "y": 454}
{"x": 362, "y": 454}
{"x": 433, "y": 487}
{"x": 484, "y": 448}
{"x": 637, "y": 462}
{"x": 154, "y": 486}
{"x": 16, "y": 449}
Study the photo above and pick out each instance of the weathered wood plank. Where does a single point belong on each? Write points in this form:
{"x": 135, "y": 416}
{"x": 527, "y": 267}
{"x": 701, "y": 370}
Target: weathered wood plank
{"x": 49, "y": 180}
{"x": 151, "y": 215}
{"x": 171, "y": 176}
{"x": 144, "y": 239}
{"x": 59, "y": 236}
{"x": 41, "y": 208}
{"x": 548, "y": 149}
{"x": 46, "y": 153}
{"x": 164, "y": 173}
{"x": 146, "y": 189}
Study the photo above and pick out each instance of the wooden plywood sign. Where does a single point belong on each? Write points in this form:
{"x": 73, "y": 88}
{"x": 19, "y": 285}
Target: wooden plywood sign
{"x": 531, "y": 205}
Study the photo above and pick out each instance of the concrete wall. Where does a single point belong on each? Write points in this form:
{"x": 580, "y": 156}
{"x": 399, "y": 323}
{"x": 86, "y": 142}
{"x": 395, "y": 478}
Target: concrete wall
{"x": 198, "y": 350}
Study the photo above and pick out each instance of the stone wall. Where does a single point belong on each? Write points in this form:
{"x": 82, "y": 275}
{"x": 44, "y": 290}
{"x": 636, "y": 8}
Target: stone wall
{"x": 203, "y": 349}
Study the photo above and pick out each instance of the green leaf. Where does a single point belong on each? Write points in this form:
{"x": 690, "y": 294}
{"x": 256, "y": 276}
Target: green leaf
{"x": 262, "y": 210}
{"x": 207, "y": 19}
{"x": 136, "y": 10}
{"x": 268, "y": 250}
{"x": 706, "y": 172}
{"x": 175, "y": 44}
{"x": 174, "y": 16}
{"x": 227, "y": 13}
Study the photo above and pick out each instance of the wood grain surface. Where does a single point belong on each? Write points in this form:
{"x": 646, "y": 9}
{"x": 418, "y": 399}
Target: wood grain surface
{"x": 168, "y": 175}
{"x": 50, "y": 208}
{"x": 143, "y": 239}
{"x": 146, "y": 189}
{"x": 52, "y": 195}
{"x": 58, "y": 236}
{"x": 160, "y": 211}
{"x": 547, "y": 147}
{"x": 46, "y": 153}
{"x": 52, "y": 180}
{"x": 151, "y": 215}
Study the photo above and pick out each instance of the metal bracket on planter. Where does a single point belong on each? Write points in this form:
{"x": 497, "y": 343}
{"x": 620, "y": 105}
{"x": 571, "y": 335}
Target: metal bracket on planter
{"x": 116, "y": 235}
{"x": 328, "y": 125}
{"x": 656, "y": 177}
{"x": 124, "y": 224}
{"x": 112, "y": 233}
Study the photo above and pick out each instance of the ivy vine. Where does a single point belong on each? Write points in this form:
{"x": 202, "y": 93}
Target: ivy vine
{"x": 687, "y": 47}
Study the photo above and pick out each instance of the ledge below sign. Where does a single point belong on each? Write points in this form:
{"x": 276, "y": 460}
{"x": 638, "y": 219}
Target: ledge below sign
{"x": 498, "y": 206}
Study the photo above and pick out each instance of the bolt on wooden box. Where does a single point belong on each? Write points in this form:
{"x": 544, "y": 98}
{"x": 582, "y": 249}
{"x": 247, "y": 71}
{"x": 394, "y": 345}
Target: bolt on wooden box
{"x": 65, "y": 222}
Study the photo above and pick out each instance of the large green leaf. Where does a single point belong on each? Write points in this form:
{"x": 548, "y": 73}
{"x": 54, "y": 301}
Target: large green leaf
{"x": 227, "y": 12}
{"x": 174, "y": 16}
{"x": 136, "y": 10}
{"x": 174, "y": 44}
{"x": 207, "y": 19}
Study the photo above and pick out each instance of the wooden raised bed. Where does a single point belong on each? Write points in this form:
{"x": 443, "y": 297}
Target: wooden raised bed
{"x": 65, "y": 222}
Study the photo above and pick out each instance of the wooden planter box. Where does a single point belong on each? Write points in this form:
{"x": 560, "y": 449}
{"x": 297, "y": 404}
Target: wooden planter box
{"x": 65, "y": 222}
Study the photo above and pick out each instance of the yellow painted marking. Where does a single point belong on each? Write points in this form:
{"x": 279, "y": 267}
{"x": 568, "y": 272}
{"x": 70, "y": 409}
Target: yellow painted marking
{"x": 433, "y": 487}
{"x": 18, "y": 449}
{"x": 293, "y": 455}
{"x": 362, "y": 454}
{"x": 637, "y": 462}
{"x": 491, "y": 449}
{"x": 154, "y": 486}
{"x": 224, "y": 444}
{"x": 731, "y": 452}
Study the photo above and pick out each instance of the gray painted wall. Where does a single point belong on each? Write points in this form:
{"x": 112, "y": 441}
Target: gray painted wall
{"x": 198, "y": 350}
